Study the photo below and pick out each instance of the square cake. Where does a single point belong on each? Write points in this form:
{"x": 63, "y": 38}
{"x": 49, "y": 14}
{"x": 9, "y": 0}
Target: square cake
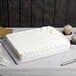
{"x": 37, "y": 43}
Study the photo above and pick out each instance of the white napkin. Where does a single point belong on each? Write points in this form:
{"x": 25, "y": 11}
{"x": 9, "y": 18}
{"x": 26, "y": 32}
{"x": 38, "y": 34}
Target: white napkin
{"x": 3, "y": 60}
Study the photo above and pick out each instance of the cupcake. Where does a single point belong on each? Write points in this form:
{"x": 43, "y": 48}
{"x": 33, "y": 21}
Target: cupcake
{"x": 73, "y": 38}
{"x": 68, "y": 29}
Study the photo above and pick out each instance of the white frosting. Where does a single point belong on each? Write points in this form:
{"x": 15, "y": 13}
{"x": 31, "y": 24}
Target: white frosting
{"x": 68, "y": 27}
{"x": 37, "y": 40}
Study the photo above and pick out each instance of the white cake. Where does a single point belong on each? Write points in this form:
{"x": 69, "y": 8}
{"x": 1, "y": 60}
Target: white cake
{"x": 38, "y": 43}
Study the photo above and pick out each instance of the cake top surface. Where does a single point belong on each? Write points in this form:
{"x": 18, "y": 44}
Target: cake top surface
{"x": 37, "y": 39}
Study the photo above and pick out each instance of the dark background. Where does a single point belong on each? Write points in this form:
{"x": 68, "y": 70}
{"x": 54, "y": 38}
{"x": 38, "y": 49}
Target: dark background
{"x": 31, "y": 13}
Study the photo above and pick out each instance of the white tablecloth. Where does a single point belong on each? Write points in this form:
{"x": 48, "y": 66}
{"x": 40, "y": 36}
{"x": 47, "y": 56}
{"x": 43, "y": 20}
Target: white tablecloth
{"x": 52, "y": 63}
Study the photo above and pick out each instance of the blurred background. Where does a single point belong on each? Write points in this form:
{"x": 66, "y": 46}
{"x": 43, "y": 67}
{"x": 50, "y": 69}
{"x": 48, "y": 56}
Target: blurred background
{"x": 36, "y": 13}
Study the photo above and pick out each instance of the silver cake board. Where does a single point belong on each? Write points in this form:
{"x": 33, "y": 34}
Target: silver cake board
{"x": 10, "y": 51}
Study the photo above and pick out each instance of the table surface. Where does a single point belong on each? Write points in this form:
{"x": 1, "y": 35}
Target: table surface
{"x": 51, "y": 62}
